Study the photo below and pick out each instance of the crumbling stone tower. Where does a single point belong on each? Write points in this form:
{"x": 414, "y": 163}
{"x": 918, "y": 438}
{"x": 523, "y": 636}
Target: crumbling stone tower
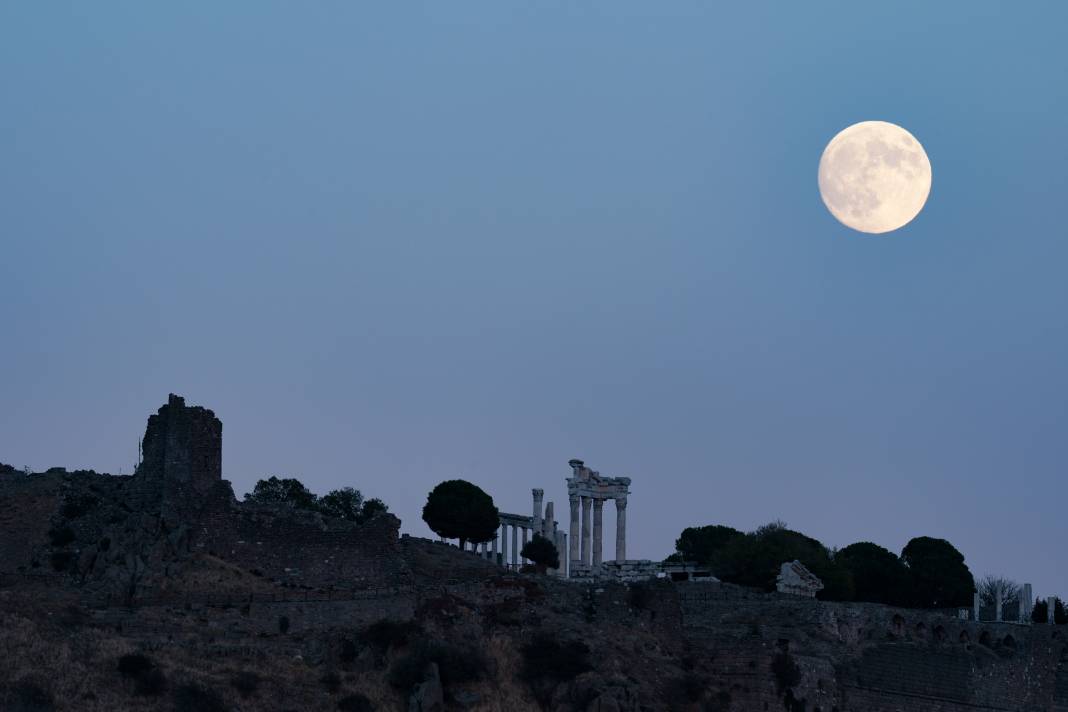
{"x": 182, "y": 456}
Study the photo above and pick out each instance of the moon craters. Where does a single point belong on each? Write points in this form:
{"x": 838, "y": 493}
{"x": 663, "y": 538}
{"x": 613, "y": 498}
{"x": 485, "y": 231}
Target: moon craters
{"x": 874, "y": 177}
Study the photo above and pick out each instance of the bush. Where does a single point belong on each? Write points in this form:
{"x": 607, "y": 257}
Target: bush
{"x": 787, "y": 673}
{"x": 191, "y": 697}
{"x": 77, "y": 505}
{"x": 348, "y": 504}
{"x": 25, "y": 696}
{"x": 148, "y": 678}
{"x": 61, "y": 560}
{"x": 386, "y": 633}
{"x": 347, "y": 651}
{"x": 408, "y": 671}
{"x": 355, "y": 703}
{"x": 755, "y": 560}
{"x": 151, "y": 684}
{"x": 134, "y": 665}
{"x": 456, "y": 664}
{"x": 546, "y": 663}
{"x": 546, "y": 658}
{"x": 61, "y": 536}
{"x": 542, "y": 552}
{"x": 640, "y": 596}
{"x": 246, "y": 683}
{"x": 686, "y": 689}
{"x": 284, "y": 490}
{"x": 331, "y": 681}
{"x": 721, "y": 702}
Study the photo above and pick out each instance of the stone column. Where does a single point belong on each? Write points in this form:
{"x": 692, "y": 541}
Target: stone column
{"x": 535, "y": 521}
{"x": 1026, "y": 603}
{"x": 586, "y": 530}
{"x": 548, "y": 525}
{"x": 576, "y": 528}
{"x": 997, "y": 605}
{"x": 515, "y": 546}
{"x": 598, "y": 520}
{"x": 561, "y": 547}
{"x": 621, "y": 529}
{"x": 1051, "y": 607}
{"x": 975, "y": 606}
{"x": 524, "y": 543}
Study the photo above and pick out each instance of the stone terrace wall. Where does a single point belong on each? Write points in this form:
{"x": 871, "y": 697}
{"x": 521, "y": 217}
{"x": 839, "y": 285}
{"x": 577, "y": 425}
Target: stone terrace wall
{"x": 27, "y": 504}
{"x": 303, "y": 549}
{"x": 867, "y": 657}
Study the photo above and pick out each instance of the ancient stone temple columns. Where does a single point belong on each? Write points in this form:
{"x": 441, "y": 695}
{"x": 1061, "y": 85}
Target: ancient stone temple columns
{"x": 621, "y": 529}
{"x": 576, "y": 527}
{"x": 1027, "y": 604}
{"x": 598, "y": 525}
{"x": 587, "y": 492}
{"x": 586, "y": 531}
{"x": 524, "y": 527}
{"x": 536, "y": 518}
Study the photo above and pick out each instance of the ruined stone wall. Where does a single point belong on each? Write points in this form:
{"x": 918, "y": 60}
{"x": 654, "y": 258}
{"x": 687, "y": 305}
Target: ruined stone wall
{"x": 859, "y": 656}
{"x": 303, "y": 549}
{"x": 181, "y": 457}
{"x": 27, "y": 506}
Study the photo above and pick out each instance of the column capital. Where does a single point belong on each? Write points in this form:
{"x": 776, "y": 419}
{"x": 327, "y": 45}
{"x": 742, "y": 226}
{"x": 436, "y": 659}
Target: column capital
{"x": 621, "y": 502}
{"x": 538, "y": 492}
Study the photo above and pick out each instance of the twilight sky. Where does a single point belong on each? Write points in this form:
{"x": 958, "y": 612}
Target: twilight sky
{"x": 399, "y": 245}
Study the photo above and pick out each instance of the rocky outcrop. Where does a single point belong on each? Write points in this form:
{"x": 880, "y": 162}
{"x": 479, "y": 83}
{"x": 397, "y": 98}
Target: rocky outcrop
{"x": 428, "y": 696}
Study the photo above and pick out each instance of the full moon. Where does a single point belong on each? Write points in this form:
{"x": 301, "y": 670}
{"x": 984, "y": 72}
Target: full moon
{"x": 874, "y": 177}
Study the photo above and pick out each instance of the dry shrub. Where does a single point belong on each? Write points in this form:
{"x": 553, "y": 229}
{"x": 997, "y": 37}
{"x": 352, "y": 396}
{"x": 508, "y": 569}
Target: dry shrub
{"x": 547, "y": 662}
{"x": 331, "y": 681}
{"x": 25, "y": 696}
{"x": 385, "y": 634}
{"x": 355, "y": 703}
{"x": 245, "y": 682}
{"x": 787, "y": 673}
{"x": 191, "y": 697}
{"x": 456, "y": 664}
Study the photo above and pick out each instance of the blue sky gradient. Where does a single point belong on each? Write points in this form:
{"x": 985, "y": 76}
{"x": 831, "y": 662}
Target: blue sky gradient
{"x": 398, "y": 244}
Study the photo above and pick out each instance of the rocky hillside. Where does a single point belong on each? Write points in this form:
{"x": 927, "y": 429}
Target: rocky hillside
{"x": 111, "y": 601}
{"x": 224, "y": 639}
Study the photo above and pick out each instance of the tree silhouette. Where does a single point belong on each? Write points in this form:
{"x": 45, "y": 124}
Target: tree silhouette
{"x": 1040, "y": 612}
{"x": 701, "y": 544}
{"x": 878, "y": 574}
{"x": 542, "y": 552}
{"x": 755, "y": 559}
{"x": 348, "y": 504}
{"x": 457, "y": 509}
{"x": 940, "y": 579}
{"x": 285, "y": 490}
{"x": 990, "y": 585}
